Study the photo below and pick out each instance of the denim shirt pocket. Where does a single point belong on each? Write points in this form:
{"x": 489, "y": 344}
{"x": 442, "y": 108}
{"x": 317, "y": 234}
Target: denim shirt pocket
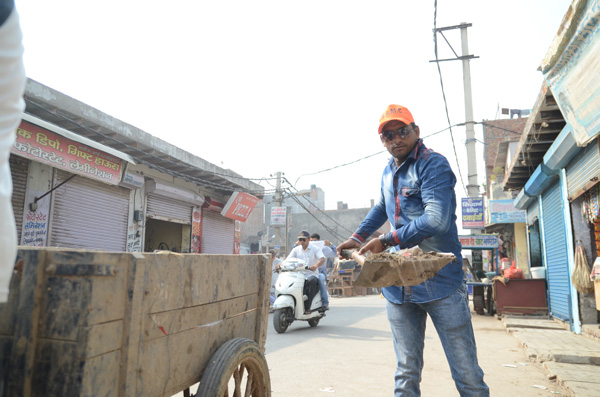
{"x": 410, "y": 201}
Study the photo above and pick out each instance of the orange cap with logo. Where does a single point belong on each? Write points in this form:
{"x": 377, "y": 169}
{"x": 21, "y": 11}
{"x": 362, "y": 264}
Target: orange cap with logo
{"x": 395, "y": 112}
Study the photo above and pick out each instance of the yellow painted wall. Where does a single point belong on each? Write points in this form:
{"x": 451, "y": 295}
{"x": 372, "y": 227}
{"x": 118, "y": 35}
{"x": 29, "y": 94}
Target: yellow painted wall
{"x": 522, "y": 255}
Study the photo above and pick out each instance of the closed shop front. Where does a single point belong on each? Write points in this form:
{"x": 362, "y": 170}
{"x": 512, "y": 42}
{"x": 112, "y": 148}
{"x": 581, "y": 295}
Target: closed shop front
{"x": 217, "y": 233}
{"x": 19, "y": 167}
{"x": 88, "y": 214}
{"x": 555, "y": 245}
{"x": 168, "y": 210}
{"x": 169, "y": 216}
{"x": 584, "y": 170}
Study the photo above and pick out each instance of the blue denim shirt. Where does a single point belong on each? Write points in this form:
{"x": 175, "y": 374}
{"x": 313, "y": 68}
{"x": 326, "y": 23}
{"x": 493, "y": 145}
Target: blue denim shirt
{"x": 419, "y": 201}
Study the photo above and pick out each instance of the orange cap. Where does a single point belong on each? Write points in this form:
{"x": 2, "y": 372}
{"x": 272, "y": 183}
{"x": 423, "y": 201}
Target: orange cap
{"x": 395, "y": 112}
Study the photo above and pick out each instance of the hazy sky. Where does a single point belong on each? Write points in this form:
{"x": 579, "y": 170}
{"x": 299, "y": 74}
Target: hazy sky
{"x": 297, "y": 87}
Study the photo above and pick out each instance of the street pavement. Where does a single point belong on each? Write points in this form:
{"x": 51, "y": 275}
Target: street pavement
{"x": 573, "y": 360}
{"x": 350, "y": 353}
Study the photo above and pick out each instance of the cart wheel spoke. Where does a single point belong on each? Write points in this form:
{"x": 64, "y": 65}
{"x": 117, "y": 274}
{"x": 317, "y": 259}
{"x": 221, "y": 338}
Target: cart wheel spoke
{"x": 249, "y": 386}
{"x": 238, "y": 369}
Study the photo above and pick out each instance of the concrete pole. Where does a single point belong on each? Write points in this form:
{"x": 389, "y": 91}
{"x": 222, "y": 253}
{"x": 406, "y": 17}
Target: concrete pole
{"x": 472, "y": 186}
{"x": 279, "y": 202}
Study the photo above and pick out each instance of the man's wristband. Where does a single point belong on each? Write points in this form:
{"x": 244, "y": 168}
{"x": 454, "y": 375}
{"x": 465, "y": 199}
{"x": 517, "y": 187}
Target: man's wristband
{"x": 383, "y": 242}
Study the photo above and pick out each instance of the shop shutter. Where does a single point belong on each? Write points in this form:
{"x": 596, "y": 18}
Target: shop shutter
{"x": 19, "y": 168}
{"x": 584, "y": 170}
{"x": 89, "y": 214}
{"x": 217, "y": 233}
{"x": 555, "y": 245}
{"x": 168, "y": 209}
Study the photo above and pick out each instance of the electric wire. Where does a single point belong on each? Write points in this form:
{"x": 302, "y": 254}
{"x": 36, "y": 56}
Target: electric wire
{"x": 297, "y": 200}
{"x": 500, "y": 128}
{"x": 338, "y": 166}
{"x": 320, "y": 210}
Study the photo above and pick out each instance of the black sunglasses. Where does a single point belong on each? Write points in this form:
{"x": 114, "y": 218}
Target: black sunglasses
{"x": 301, "y": 239}
{"x": 402, "y": 132}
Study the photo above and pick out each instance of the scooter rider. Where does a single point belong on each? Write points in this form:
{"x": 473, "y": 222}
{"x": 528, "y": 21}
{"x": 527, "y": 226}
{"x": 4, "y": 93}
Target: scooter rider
{"x": 314, "y": 258}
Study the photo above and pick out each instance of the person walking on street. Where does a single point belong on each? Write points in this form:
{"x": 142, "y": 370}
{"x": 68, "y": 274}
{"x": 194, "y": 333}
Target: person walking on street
{"x": 418, "y": 198}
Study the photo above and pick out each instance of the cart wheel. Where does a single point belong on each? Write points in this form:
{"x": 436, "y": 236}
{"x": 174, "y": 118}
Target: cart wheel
{"x": 280, "y": 322}
{"x": 313, "y": 322}
{"x": 238, "y": 368}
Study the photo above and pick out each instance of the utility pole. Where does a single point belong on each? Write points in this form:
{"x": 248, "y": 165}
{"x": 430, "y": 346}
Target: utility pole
{"x": 472, "y": 186}
{"x": 279, "y": 202}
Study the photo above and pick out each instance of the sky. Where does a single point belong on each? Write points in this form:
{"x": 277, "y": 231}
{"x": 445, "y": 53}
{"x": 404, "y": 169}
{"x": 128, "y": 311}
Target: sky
{"x": 297, "y": 87}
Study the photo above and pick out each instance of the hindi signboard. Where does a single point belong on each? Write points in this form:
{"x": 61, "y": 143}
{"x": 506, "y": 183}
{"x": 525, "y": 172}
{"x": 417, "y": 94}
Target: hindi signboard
{"x": 479, "y": 241}
{"x": 472, "y": 213}
{"x": 278, "y": 216}
{"x": 46, "y": 147}
{"x": 504, "y": 211}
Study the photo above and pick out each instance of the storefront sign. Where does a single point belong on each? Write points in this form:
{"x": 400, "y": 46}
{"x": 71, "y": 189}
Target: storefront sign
{"x": 236, "y": 237}
{"x": 35, "y": 223}
{"x": 46, "y": 147}
{"x": 196, "y": 230}
{"x": 472, "y": 213}
{"x": 479, "y": 241}
{"x": 239, "y": 206}
{"x": 278, "y": 216}
{"x": 134, "y": 238}
{"x": 504, "y": 211}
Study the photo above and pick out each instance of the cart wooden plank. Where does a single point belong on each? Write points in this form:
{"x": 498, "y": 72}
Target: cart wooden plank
{"x": 98, "y": 323}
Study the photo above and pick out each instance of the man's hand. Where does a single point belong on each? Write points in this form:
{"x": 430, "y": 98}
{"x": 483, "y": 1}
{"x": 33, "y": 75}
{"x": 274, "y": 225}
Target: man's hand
{"x": 328, "y": 243}
{"x": 348, "y": 244}
{"x": 374, "y": 246}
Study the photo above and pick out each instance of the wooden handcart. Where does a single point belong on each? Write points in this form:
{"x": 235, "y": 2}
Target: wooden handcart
{"x": 91, "y": 323}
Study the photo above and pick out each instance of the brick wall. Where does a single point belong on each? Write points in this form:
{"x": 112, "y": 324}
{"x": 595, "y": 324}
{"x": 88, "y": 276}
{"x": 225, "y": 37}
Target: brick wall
{"x": 494, "y": 132}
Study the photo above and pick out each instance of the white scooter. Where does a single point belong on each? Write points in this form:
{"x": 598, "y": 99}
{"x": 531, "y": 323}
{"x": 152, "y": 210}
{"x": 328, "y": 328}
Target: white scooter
{"x": 289, "y": 297}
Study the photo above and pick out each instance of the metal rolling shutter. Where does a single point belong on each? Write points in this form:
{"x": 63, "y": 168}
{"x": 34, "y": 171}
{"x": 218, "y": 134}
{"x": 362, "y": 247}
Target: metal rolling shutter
{"x": 168, "y": 209}
{"x": 19, "y": 168}
{"x": 556, "y": 254}
{"x": 89, "y": 214}
{"x": 217, "y": 233}
{"x": 584, "y": 170}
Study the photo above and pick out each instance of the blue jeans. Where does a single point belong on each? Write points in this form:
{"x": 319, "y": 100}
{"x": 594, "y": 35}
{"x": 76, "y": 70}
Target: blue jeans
{"x": 452, "y": 320}
{"x": 323, "y": 289}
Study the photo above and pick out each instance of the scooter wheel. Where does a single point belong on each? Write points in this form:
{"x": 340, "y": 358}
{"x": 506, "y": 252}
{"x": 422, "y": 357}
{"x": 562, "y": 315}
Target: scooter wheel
{"x": 313, "y": 322}
{"x": 280, "y": 320}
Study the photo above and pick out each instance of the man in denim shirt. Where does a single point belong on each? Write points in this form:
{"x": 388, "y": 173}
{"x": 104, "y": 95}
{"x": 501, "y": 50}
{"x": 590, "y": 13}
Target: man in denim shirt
{"x": 417, "y": 197}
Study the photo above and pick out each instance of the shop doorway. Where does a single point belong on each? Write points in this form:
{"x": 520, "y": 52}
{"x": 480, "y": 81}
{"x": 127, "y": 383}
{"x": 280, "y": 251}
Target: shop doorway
{"x": 166, "y": 236}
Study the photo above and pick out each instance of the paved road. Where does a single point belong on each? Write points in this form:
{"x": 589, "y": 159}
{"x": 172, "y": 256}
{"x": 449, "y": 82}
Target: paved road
{"x": 350, "y": 353}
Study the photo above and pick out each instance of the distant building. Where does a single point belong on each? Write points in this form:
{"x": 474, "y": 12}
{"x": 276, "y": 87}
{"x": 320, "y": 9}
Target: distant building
{"x": 501, "y": 139}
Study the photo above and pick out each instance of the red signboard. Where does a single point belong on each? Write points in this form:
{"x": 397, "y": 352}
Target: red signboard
{"x": 239, "y": 206}
{"x": 46, "y": 147}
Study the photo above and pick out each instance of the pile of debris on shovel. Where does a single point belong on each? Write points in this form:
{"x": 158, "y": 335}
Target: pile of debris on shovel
{"x": 406, "y": 267}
